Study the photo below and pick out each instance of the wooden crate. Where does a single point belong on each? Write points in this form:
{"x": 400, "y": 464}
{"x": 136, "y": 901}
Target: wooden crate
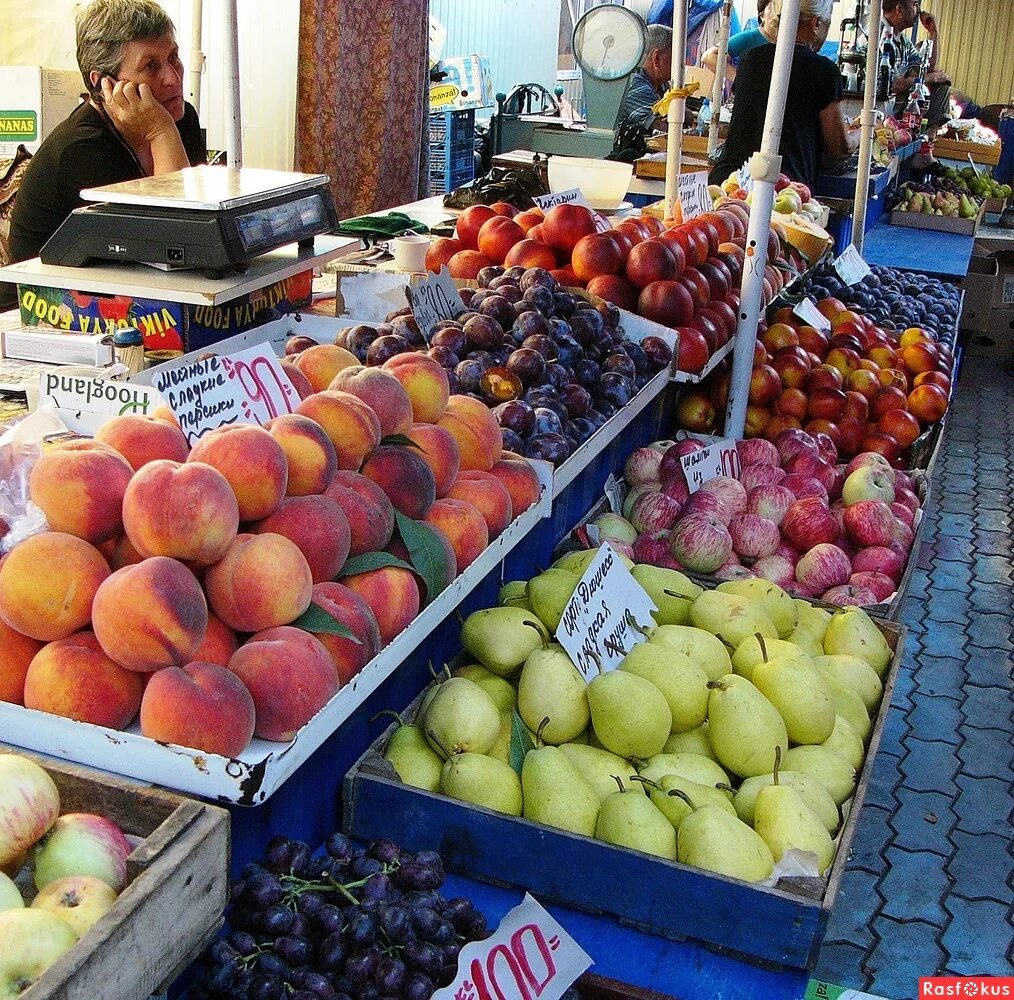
{"x": 595, "y": 987}
{"x": 955, "y": 149}
{"x": 177, "y": 888}
{"x": 938, "y": 223}
{"x": 780, "y": 927}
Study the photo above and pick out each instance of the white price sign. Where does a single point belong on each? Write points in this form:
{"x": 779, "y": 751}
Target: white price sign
{"x": 719, "y": 459}
{"x": 812, "y": 316}
{"x": 851, "y": 267}
{"x": 529, "y": 955}
{"x": 602, "y": 620}
{"x": 85, "y": 404}
{"x": 571, "y": 197}
{"x": 434, "y": 298}
{"x": 250, "y": 387}
{"x": 615, "y": 493}
{"x": 693, "y": 192}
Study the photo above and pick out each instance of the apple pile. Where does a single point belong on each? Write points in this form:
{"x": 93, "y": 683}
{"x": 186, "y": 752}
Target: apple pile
{"x": 231, "y": 589}
{"x": 72, "y": 866}
{"x": 865, "y": 387}
{"x": 795, "y": 516}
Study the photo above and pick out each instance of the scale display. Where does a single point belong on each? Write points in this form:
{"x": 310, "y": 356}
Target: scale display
{"x": 213, "y": 219}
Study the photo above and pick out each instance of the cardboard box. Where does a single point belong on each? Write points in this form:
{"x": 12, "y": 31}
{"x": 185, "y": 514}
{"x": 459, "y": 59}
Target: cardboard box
{"x": 167, "y": 326}
{"x": 468, "y": 84}
{"x": 978, "y": 285}
{"x": 33, "y": 101}
{"x": 58, "y": 348}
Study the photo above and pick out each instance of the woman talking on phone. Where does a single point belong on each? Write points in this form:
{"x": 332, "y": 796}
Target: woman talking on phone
{"x": 134, "y": 122}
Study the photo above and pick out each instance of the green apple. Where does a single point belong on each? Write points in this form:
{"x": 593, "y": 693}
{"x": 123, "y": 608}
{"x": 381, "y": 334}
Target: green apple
{"x": 30, "y": 942}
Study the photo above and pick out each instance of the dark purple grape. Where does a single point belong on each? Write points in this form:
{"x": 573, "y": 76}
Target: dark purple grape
{"x": 301, "y": 857}
{"x": 443, "y": 933}
{"x": 368, "y": 991}
{"x": 564, "y": 304}
{"x": 318, "y": 985}
{"x": 453, "y": 338}
{"x": 299, "y": 927}
{"x": 360, "y": 968}
{"x": 357, "y": 341}
{"x": 236, "y": 890}
{"x": 451, "y": 951}
{"x": 267, "y": 987}
{"x": 270, "y": 964}
{"x": 418, "y": 876}
{"x": 276, "y": 920}
{"x": 222, "y": 951}
{"x": 418, "y": 986}
{"x": 302, "y": 995}
{"x": 376, "y": 889}
{"x": 363, "y": 867}
{"x": 485, "y": 332}
{"x": 554, "y": 448}
{"x": 361, "y": 930}
{"x": 424, "y": 956}
{"x": 537, "y": 277}
{"x": 331, "y": 953}
{"x": 389, "y": 975}
{"x": 384, "y": 850}
{"x": 444, "y": 357}
{"x": 310, "y": 903}
{"x": 425, "y": 921}
{"x": 385, "y": 348}
{"x": 547, "y": 421}
{"x": 472, "y": 926}
{"x": 621, "y": 364}
{"x": 545, "y": 345}
{"x": 222, "y": 977}
{"x": 512, "y": 441}
{"x": 243, "y": 942}
{"x": 488, "y": 275}
{"x": 296, "y": 951}
{"x": 395, "y": 923}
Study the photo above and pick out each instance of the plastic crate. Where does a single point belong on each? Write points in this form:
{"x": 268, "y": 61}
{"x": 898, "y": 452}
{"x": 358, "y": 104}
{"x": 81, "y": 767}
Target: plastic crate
{"x": 454, "y": 160}
{"x": 452, "y": 126}
{"x": 462, "y": 171}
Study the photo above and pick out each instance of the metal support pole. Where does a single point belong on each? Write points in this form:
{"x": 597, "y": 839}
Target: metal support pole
{"x": 677, "y": 107}
{"x": 196, "y": 67}
{"x": 764, "y": 169}
{"x": 233, "y": 115}
{"x": 718, "y": 91}
{"x": 867, "y": 119}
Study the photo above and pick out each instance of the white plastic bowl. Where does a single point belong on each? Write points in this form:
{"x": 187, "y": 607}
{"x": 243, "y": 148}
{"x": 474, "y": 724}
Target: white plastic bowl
{"x": 603, "y": 183}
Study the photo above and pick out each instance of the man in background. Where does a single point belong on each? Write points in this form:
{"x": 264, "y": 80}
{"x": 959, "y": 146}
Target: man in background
{"x": 906, "y": 63}
{"x": 648, "y": 83}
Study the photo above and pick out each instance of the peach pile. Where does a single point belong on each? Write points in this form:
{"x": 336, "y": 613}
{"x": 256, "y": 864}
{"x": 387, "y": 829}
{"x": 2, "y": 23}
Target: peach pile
{"x": 170, "y": 588}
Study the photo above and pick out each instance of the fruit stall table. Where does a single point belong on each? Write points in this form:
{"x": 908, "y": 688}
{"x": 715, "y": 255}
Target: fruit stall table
{"x": 942, "y": 255}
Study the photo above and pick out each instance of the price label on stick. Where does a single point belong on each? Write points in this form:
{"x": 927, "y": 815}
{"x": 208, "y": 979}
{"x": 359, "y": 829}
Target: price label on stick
{"x": 615, "y": 493}
{"x": 571, "y": 197}
{"x": 851, "y": 267}
{"x": 812, "y": 316}
{"x": 434, "y": 298}
{"x": 719, "y": 459}
{"x": 693, "y": 192}
{"x": 605, "y": 616}
{"x": 529, "y": 955}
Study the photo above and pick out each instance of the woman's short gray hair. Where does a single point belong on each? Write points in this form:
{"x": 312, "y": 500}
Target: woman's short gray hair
{"x": 105, "y": 26}
{"x": 822, "y": 9}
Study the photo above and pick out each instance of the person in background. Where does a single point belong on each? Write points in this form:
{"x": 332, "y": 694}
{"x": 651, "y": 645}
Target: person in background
{"x": 765, "y": 33}
{"x": 133, "y": 123}
{"x": 648, "y": 83}
{"x": 813, "y": 125}
{"x": 906, "y": 63}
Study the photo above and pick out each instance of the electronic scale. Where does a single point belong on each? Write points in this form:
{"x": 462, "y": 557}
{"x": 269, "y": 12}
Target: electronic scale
{"x": 214, "y": 219}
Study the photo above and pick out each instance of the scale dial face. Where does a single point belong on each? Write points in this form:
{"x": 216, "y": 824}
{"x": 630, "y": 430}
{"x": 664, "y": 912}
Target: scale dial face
{"x": 609, "y": 42}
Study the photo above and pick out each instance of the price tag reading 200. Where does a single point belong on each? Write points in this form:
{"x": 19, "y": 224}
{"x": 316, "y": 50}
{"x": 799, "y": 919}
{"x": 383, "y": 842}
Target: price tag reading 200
{"x": 433, "y": 299}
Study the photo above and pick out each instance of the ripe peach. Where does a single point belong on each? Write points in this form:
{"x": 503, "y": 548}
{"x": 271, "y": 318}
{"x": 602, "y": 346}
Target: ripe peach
{"x": 321, "y": 363}
{"x": 186, "y": 511}
{"x": 616, "y": 289}
{"x": 425, "y": 382}
{"x": 382, "y": 392}
{"x": 162, "y": 412}
{"x": 488, "y": 495}
{"x": 219, "y": 644}
{"x": 141, "y": 439}
{"x": 150, "y": 615}
{"x": 349, "y": 608}
{"x": 119, "y": 552}
{"x": 440, "y": 251}
{"x": 439, "y": 450}
{"x": 204, "y": 706}
{"x": 47, "y": 584}
{"x": 16, "y": 653}
{"x": 299, "y": 381}
{"x": 290, "y": 676}
{"x": 309, "y": 454}
{"x": 350, "y": 424}
{"x": 369, "y": 512}
{"x": 391, "y": 593}
{"x": 565, "y": 224}
{"x": 596, "y": 255}
{"x": 466, "y": 264}
{"x": 464, "y": 526}
{"x": 402, "y": 473}
{"x": 80, "y": 485}
{"x": 74, "y": 678}
{"x": 261, "y": 581}
{"x": 529, "y": 218}
{"x": 497, "y": 236}
{"x": 521, "y": 481}
{"x": 318, "y": 528}
{"x": 253, "y": 463}
{"x": 474, "y": 427}
{"x": 530, "y": 253}
{"x": 470, "y": 222}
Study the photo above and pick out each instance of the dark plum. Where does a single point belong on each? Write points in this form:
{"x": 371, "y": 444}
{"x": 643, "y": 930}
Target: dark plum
{"x": 480, "y": 296}
{"x": 540, "y": 298}
{"x": 488, "y": 275}
{"x": 484, "y": 332}
{"x": 584, "y": 325}
{"x": 564, "y": 304}
{"x": 499, "y": 384}
{"x": 503, "y": 280}
{"x": 583, "y": 428}
{"x": 576, "y": 400}
{"x": 546, "y": 346}
{"x": 537, "y": 277}
{"x": 558, "y": 375}
{"x": 621, "y": 364}
{"x": 444, "y": 357}
{"x": 394, "y": 314}
{"x": 447, "y": 324}
{"x": 451, "y": 337}
{"x": 658, "y": 352}
{"x": 385, "y": 348}
{"x": 512, "y": 441}
{"x": 609, "y": 313}
{"x": 462, "y": 318}
{"x": 614, "y": 389}
{"x": 466, "y": 296}
{"x": 516, "y": 415}
{"x": 511, "y": 293}
{"x": 569, "y": 351}
{"x": 514, "y": 272}
{"x": 358, "y": 340}
{"x": 468, "y": 374}
{"x": 636, "y": 354}
{"x": 587, "y": 372}
{"x": 559, "y": 328}
{"x": 532, "y": 324}
{"x": 500, "y": 309}
{"x": 547, "y": 421}
{"x": 529, "y": 365}
{"x": 553, "y": 448}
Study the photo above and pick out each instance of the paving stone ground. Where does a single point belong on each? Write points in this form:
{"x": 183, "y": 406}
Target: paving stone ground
{"x": 929, "y": 887}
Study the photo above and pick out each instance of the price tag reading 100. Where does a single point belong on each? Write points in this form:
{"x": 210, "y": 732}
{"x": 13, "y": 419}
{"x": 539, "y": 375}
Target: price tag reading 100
{"x": 433, "y": 299}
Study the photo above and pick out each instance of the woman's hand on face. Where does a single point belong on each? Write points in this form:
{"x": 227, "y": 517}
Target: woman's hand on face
{"x": 134, "y": 111}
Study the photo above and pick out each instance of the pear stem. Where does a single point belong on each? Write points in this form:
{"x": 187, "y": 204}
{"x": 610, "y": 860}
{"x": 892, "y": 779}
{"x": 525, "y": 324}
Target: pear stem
{"x": 444, "y": 752}
{"x": 778, "y": 764}
{"x": 645, "y": 781}
{"x": 538, "y": 732}
{"x": 616, "y": 778}
{"x": 542, "y": 635}
{"x": 716, "y": 686}
{"x": 763, "y": 647}
{"x": 680, "y": 794}
{"x": 638, "y": 762}
{"x": 598, "y": 660}
{"x": 632, "y": 622}
{"x": 724, "y": 787}
{"x": 386, "y": 711}
{"x": 676, "y": 593}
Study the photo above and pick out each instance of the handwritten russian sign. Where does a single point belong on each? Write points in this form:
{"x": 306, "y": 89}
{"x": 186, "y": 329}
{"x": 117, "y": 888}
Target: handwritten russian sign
{"x": 719, "y": 459}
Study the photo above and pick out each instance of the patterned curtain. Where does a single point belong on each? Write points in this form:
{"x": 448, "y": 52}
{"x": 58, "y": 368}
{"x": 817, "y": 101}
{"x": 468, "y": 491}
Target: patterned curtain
{"x": 362, "y": 99}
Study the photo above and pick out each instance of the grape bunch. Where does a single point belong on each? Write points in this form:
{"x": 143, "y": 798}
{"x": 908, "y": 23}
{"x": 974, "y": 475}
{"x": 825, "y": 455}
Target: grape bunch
{"x": 355, "y": 923}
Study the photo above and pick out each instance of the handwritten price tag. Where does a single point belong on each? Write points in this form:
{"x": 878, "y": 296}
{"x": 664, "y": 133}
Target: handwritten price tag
{"x": 601, "y": 621}
{"x": 529, "y": 956}
{"x": 851, "y": 267}
{"x": 433, "y": 299}
{"x": 812, "y": 316}
{"x": 571, "y": 197}
{"x": 245, "y": 388}
{"x": 693, "y": 192}
{"x": 719, "y": 459}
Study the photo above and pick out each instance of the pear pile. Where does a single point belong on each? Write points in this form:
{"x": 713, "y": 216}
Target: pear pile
{"x": 731, "y": 735}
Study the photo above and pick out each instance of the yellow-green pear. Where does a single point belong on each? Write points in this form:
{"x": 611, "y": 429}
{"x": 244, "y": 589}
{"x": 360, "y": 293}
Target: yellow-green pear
{"x": 812, "y": 792}
{"x": 548, "y": 594}
{"x": 850, "y": 707}
{"x": 711, "y": 839}
{"x": 556, "y": 793}
{"x": 744, "y": 728}
{"x": 692, "y": 741}
{"x": 776, "y": 604}
{"x": 501, "y": 748}
{"x": 630, "y": 819}
{"x": 461, "y": 718}
{"x": 802, "y": 697}
{"x": 683, "y": 683}
{"x": 503, "y": 693}
{"x": 514, "y": 593}
{"x": 845, "y": 742}
{"x": 600, "y": 768}
{"x": 853, "y": 672}
{"x": 702, "y": 647}
{"x": 483, "y": 781}
{"x": 429, "y": 693}
{"x": 811, "y": 618}
{"x": 578, "y": 562}
{"x": 833, "y": 771}
{"x": 630, "y": 715}
{"x": 581, "y": 738}
{"x": 756, "y": 649}
{"x": 551, "y": 687}
{"x": 852, "y": 632}
{"x": 805, "y": 641}
{"x": 731, "y": 617}
{"x": 501, "y": 638}
{"x": 676, "y": 797}
{"x": 671, "y": 591}
{"x": 785, "y": 822}
{"x": 694, "y": 766}
{"x": 414, "y": 760}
